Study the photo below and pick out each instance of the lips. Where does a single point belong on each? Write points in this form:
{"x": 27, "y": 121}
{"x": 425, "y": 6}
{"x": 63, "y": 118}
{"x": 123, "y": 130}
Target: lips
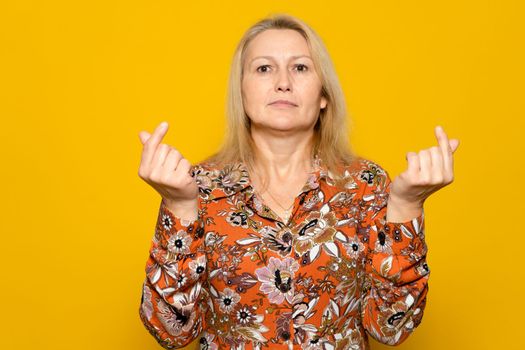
{"x": 283, "y": 102}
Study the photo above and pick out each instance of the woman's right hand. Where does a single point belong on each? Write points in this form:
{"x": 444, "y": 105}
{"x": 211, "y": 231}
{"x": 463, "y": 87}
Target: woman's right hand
{"x": 168, "y": 172}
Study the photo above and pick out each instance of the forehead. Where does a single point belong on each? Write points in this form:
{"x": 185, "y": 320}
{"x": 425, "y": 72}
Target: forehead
{"x": 277, "y": 42}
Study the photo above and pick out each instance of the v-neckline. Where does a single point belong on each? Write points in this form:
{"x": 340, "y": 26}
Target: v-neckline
{"x": 263, "y": 209}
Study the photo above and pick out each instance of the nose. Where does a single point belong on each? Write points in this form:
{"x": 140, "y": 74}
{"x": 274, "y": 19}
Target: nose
{"x": 283, "y": 81}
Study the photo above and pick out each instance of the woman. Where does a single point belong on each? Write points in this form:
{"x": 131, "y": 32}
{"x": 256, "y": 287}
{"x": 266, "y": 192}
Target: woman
{"x": 284, "y": 238}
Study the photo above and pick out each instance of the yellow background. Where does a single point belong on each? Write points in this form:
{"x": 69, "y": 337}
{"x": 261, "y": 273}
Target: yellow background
{"x": 80, "y": 79}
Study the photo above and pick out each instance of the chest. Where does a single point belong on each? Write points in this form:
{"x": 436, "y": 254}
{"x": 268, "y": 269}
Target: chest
{"x": 321, "y": 249}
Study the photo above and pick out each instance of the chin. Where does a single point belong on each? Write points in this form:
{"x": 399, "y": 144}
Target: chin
{"x": 281, "y": 123}
{"x": 286, "y": 127}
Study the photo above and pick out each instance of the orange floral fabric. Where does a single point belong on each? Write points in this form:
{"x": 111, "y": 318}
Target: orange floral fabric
{"x": 238, "y": 277}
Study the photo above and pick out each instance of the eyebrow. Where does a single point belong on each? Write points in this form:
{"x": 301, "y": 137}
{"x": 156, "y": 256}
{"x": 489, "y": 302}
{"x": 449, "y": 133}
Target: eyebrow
{"x": 271, "y": 57}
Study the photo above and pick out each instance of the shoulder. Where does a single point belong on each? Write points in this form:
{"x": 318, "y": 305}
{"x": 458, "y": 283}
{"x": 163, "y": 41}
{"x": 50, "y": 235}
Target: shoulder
{"x": 216, "y": 170}
{"x": 206, "y": 166}
{"x": 366, "y": 182}
{"x": 216, "y": 180}
{"x": 367, "y": 170}
{"x": 364, "y": 174}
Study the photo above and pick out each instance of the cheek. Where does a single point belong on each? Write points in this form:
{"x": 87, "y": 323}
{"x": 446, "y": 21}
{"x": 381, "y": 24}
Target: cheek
{"x": 311, "y": 95}
{"x": 253, "y": 93}
{"x": 314, "y": 87}
{"x": 250, "y": 99}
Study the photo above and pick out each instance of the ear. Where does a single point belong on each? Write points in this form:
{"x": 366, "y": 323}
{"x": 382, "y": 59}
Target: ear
{"x": 324, "y": 102}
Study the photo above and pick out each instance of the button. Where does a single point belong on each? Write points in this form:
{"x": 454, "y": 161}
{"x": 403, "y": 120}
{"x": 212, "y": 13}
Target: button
{"x": 382, "y": 237}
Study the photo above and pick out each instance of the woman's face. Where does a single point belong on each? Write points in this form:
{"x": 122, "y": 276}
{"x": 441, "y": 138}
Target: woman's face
{"x": 278, "y": 66}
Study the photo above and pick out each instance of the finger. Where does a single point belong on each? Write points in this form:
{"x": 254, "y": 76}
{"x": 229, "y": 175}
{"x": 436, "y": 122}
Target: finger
{"x": 150, "y": 147}
{"x": 449, "y": 171}
{"x": 183, "y": 170}
{"x": 444, "y": 144}
{"x": 442, "y": 138}
{"x": 413, "y": 163}
{"x": 144, "y": 136}
{"x": 437, "y": 171}
{"x": 179, "y": 177}
{"x": 454, "y": 143}
{"x": 172, "y": 159}
{"x": 425, "y": 164}
{"x": 158, "y": 134}
{"x": 159, "y": 157}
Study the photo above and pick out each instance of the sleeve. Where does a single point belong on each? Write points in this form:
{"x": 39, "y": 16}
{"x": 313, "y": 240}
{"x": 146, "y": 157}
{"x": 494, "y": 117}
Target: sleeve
{"x": 173, "y": 298}
{"x": 396, "y": 279}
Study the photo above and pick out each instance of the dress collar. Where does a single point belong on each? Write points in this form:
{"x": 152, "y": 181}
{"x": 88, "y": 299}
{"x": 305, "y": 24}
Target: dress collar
{"x": 217, "y": 183}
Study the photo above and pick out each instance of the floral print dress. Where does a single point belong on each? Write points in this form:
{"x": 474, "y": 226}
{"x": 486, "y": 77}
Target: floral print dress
{"x": 238, "y": 277}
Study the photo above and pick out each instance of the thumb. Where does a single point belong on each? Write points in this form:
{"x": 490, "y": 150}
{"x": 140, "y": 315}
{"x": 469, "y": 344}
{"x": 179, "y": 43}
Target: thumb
{"x": 454, "y": 143}
{"x": 144, "y": 136}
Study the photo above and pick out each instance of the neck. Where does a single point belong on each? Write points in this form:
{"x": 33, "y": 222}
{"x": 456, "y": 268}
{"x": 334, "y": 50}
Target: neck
{"x": 282, "y": 156}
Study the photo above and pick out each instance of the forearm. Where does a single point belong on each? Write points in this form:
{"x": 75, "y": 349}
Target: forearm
{"x": 397, "y": 279}
{"x": 173, "y": 297}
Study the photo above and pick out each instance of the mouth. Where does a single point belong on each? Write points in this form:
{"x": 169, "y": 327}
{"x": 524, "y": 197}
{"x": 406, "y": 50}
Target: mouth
{"x": 283, "y": 104}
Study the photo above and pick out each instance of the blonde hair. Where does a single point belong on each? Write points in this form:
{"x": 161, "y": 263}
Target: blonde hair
{"x": 330, "y": 140}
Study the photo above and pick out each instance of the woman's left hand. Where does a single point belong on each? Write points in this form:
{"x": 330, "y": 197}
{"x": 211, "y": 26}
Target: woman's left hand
{"x": 428, "y": 171}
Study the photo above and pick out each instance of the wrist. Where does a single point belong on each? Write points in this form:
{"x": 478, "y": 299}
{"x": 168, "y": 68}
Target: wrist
{"x": 187, "y": 210}
{"x": 399, "y": 211}
{"x": 409, "y": 204}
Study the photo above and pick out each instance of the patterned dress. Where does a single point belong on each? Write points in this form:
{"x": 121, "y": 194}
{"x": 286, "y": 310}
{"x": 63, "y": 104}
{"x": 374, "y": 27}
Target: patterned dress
{"x": 238, "y": 277}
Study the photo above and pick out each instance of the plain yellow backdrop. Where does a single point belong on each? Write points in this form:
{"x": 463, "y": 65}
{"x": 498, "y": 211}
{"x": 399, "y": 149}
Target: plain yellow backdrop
{"x": 80, "y": 79}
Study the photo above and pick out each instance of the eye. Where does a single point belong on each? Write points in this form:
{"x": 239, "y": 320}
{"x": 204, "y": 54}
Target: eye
{"x": 303, "y": 67}
{"x": 263, "y": 66}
